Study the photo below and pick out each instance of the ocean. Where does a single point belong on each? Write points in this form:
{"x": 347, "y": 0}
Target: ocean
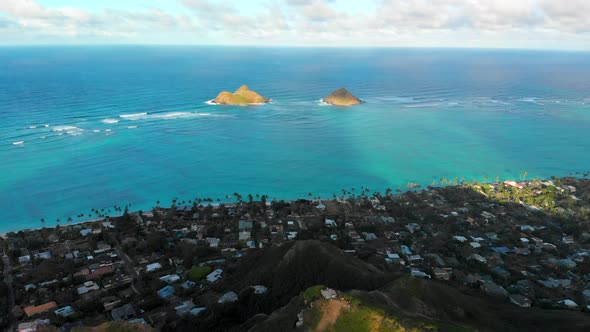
{"x": 96, "y": 127}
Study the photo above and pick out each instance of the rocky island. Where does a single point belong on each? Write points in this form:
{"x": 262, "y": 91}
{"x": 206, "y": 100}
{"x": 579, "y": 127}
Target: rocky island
{"x": 342, "y": 97}
{"x": 242, "y": 96}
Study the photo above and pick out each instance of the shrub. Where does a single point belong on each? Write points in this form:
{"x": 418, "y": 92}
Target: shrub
{"x": 197, "y": 273}
{"x": 313, "y": 293}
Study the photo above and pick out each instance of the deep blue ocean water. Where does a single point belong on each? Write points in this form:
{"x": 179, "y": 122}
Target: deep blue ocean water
{"x": 94, "y": 127}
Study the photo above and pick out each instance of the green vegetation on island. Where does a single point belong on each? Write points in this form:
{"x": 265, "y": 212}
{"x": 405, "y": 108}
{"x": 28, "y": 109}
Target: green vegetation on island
{"x": 242, "y": 96}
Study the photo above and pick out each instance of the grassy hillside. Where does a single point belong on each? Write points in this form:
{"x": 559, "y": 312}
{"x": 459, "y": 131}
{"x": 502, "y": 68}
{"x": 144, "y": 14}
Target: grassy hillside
{"x": 410, "y": 304}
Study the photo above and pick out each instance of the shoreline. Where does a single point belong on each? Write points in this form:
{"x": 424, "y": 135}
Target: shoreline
{"x": 339, "y": 198}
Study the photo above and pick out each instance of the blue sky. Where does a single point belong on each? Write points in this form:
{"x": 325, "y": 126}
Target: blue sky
{"x": 535, "y": 24}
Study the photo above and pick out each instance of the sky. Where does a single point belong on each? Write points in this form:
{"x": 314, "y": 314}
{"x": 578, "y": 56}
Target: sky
{"x": 531, "y": 24}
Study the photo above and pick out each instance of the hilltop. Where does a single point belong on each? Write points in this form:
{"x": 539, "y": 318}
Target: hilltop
{"x": 342, "y": 97}
{"x": 242, "y": 96}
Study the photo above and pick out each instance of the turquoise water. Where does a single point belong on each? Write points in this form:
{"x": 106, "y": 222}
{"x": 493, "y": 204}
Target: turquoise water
{"x": 429, "y": 114}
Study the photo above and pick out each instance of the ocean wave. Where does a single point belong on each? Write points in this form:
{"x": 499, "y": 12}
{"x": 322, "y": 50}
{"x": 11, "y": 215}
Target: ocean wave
{"x": 110, "y": 121}
{"x": 321, "y": 102}
{"x": 131, "y": 127}
{"x": 422, "y": 105}
{"x": 182, "y": 115}
{"x": 133, "y": 116}
{"x": 70, "y": 130}
{"x": 32, "y": 127}
{"x": 18, "y": 143}
{"x": 210, "y": 102}
{"x": 107, "y": 130}
{"x": 532, "y": 100}
{"x": 96, "y": 130}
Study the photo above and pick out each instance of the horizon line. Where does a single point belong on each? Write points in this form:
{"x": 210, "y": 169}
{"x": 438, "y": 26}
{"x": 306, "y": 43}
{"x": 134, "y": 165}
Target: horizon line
{"x": 567, "y": 50}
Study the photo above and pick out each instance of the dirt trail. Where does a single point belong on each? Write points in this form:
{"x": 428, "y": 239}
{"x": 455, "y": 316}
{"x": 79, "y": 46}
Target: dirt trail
{"x": 331, "y": 312}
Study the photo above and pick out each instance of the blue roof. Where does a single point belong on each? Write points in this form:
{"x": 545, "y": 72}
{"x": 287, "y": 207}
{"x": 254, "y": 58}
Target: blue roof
{"x": 166, "y": 292}
{"x": 501, "y": 250}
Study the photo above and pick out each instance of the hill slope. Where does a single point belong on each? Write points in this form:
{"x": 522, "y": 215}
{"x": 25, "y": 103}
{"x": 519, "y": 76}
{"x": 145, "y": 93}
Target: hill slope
{"x": 242, "y": 96}
{"x": 409, "y": 304}
{"x": 342, "y": 97}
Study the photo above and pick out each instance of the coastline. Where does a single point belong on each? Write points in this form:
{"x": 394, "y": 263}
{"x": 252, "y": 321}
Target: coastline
{"x": 412, "y": 187}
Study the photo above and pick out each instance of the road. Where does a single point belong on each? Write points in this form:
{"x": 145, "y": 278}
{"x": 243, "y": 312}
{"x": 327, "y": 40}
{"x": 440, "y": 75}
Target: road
{"x": 129, "y": 266}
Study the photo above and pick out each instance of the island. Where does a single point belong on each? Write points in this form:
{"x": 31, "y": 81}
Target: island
{"x": 342, "y": 97}
{"x": 242, "y": 96}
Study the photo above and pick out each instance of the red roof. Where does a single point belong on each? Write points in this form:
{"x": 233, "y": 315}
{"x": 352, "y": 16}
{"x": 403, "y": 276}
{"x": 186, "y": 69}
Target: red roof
{"x": 100, "y": 272}
{"x": 32, "y": 311}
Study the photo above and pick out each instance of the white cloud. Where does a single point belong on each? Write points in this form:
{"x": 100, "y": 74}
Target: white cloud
{"x": 315, "y": 22}
{"x": 30, "y": 18}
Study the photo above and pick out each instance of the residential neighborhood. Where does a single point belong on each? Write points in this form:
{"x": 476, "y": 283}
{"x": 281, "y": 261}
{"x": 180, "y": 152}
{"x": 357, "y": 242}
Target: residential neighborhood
{"x": 526, "y": 244}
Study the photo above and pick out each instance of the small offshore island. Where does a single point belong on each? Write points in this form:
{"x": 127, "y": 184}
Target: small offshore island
{"x": 242, "y": 97}
{"x": 342, "y": 97}
{"x": 509, "y": 256}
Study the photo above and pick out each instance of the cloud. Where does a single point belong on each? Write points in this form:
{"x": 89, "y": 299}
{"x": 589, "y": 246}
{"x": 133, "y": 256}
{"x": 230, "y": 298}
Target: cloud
{"x": 312, "y": 22}
{"x": 31, "y": 18}
{"x": 269, "y": 22}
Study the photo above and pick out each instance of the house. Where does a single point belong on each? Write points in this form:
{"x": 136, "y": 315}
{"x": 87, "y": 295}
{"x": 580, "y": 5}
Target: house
{"x": 24, "y": 259}
{"x": 392, "y": 258}
{"x": 244, "y": 236}
{"x": 245, "y": 225}
{"x": 87, "y": 287}
{"x": 85, "y": 232}
{"x": 33, "y": 326}
{"x": 153, "y": 267}
{"x": 412, "y": 227}
{"x": 65, "y": 311}
{"x": 123, "y": 313}
{"x": 493, "y": 289}
{"x": 330, "y": 223}
{"x": 184, "y": 308}
{"x": 213, "y": 242}
{"x": 328, "y": 293}
{"x": 354, "y": 236}
{"x": 442, "y": 273}
{"x": 100, "y": 272}
{"x": 170, "y": 278}
{"x": 521, "y": 301}
{"x": 228, "y": 297}
{"x": 406, "y": 250}
{"x": 166, "y": 292}
{"x": 420, "y": 274}
{"x": 414, "y": 259}
{"x": 32, "y": 310}
{"x": 291, "y": 235}
{"x": 43, "y": 255}
{"x": 459, "y": 238}
{"x": 369, "y": 236}
{"x": 188, "y": 284}
{"x": 214, "y": 276}
{"x": 567, "y": 240}
{"x": 110, "y": 302}
{"x": 259, "y": 289}
{"x": 569, "y": 304}
{"x": 197, "y": 311}
{"x": 388, "y": 220}
{"x": 478, "y": 258}
{"x": 501, "y": 250}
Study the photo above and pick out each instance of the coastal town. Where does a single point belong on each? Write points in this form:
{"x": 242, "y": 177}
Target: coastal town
{"x": 524, "y": 244}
